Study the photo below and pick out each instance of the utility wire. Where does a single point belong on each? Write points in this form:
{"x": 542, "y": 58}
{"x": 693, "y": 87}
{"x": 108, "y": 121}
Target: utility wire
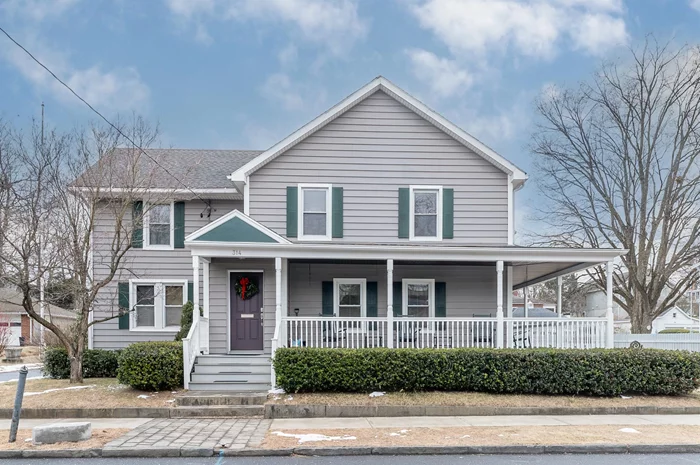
{"x": 102, "y": 116}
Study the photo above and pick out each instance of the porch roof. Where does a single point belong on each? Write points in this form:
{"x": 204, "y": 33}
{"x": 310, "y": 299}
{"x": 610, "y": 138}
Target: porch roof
{"x": 530, "y": 264}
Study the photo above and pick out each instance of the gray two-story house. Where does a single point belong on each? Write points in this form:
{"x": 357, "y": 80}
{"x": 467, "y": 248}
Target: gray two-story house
{"x": 377, "y": 224}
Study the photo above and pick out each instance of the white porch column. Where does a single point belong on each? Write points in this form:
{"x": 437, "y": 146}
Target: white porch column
{"x": 278, "y": 291}
{"x": 390, "y": 303}
{"x": 195, "y": 288}
{"x": 499, "y": 304}
{"x": 204, "y": 332}
{"x": 559, "y": 309}
{"x": 509, "y": 306}
{"x": 610, "y": 343}
{"x": 525, "y": 301}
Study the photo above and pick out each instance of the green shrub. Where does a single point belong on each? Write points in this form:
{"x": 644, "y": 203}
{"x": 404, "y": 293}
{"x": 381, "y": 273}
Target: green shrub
{"x": 96, "y": 363}
{"x": 677, "y": 331}
{"x": 517, "y": 371}
{"x": 151, "y": 366}
{"x": 186, "y": 320}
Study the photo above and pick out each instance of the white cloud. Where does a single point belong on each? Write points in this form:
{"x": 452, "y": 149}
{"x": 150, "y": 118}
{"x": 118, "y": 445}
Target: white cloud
{"x": 288, "y": 55}
{"x": 695, "y": 4}
{"x": 36, "y": 10}
{"x": 444, "y": 77}
{"x": 279, "y": 88}
{"x": 333, "y": 24}
{"x": 531, "y": 27}
{"x": 119, "y": 89}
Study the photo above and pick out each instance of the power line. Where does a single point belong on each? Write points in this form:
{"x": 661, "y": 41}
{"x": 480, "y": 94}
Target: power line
{"x": 101, "y": 115}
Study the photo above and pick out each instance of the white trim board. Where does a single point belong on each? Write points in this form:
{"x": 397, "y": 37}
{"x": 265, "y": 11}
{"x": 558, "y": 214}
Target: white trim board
{"x": 240, "y": 176}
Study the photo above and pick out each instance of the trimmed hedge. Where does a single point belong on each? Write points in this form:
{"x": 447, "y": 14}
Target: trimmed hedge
{"x": 677, "y": 331}
{"x": 518, "y": 371}
{"x": 96, "y": 363}
{"x": 151, "y": 366}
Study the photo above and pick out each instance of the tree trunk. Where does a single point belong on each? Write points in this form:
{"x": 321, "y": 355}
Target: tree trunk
{"x": 640, "y": 318}
{"x": 76, "y": 368}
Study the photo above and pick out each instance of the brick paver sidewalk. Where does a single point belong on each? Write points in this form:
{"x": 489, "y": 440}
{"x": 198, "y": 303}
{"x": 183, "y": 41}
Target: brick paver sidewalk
{"x": 204, "y": 433}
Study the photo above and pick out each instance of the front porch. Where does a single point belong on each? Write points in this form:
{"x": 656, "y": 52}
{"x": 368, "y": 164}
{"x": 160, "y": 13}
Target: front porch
{"x": 343, "y": 295}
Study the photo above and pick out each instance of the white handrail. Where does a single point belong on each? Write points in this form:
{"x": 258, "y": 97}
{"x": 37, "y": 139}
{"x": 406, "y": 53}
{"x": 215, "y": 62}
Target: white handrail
{"x": 190, "y": 350}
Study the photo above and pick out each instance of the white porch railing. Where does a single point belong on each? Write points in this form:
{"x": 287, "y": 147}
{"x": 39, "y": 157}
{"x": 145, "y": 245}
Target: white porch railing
{"x": 356, "y": 333}
{"x": 192, "y": 345}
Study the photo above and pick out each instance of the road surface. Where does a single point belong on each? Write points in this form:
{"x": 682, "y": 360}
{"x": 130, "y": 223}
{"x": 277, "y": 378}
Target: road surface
{"x": 15, "y": 374}
{"x": 655, "y": 459}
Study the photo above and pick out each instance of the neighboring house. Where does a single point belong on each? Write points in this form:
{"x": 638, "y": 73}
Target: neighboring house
{"x": 674, "y": 318}
{"x": 379, "y": 223}
{"x": 21, "y": 325}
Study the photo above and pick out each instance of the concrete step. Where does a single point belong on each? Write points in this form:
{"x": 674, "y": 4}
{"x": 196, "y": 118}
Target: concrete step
{"x": 237, "y": 359}
{"x": 230, "y": 386}
{"x": 218, "y": 411}
{"x": 231, "y": 377}
{"x": 232, "y": 368}
{"x": 211, "y": 398}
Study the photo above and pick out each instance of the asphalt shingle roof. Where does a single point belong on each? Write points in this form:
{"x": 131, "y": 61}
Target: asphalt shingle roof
{"x": 196, "y": 169}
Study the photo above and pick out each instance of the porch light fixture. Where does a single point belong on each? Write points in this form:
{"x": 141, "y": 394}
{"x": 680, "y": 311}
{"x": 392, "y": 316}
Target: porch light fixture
{"x": 296, "y": 312}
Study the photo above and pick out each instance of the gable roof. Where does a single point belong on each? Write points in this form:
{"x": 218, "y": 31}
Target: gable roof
{"x": 677, "y": 310}
{"x": 196, "y": 169}
{"x": 11, "y": 303}
{"x": 240, "y": 174}
{"x": 236, "y": 227}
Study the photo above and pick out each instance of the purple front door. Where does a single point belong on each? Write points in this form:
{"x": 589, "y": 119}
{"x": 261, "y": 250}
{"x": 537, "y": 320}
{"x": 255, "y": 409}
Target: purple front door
{"x": 246, "y": 315}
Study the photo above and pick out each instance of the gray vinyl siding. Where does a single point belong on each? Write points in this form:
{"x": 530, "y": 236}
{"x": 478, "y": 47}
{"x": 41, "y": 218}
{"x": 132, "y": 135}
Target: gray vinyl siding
{"x": 144, "y": 264}
{"x": 471, "y": 290}
{"x": 218, "y": 300}
{"x": 372, "y": 150}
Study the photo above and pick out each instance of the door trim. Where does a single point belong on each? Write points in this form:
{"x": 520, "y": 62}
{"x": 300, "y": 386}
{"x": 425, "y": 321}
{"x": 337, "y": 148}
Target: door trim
{"x": 229, "y": 271}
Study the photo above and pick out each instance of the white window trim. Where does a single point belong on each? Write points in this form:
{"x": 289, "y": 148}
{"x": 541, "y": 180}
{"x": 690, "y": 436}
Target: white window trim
{"x": 363, "y": 294}
{"x": 146, "y": 232}
{"x": 158, "y": 303}
{"x": 412, "y": 207}
{"x": 431, "y": 295}
{"x": 329, "y": 212}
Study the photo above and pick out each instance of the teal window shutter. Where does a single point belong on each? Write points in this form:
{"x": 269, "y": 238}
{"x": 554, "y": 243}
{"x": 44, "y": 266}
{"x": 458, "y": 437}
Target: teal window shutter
{"x": 404, "y": 211}
{"x": 327, "y": 298}
{"x": 179, "y": 230}
{"x": 397, "y": 298}
{"x": 372, "y": 298}
{"x": 137, "y": 228}
{"x": 124, "y": 306}
{"x": 337, "y": 203}
{"x": 190, "y": 291}
{"x": 292, "y": 211}
{"x": 448, "y": 213}
{"x": 441, "y": 300}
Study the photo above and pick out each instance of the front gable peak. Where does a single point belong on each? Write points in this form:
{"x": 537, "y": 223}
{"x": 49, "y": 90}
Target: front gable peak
{"x": 236, "y": 227}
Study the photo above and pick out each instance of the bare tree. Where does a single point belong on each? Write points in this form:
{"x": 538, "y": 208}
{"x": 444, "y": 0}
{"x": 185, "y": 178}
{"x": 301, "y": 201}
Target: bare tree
{"x": 573, "y": 294}
{"x": 617, "y": 162}
{"x": 64, "y": 187}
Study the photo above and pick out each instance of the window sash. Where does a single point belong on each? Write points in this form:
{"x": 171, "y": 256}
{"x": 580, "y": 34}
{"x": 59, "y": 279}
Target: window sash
{"x": 306, "y": 214}
{"x": 429, "y": 305}
{"x": 158, "y": 227}
{"x": 415, "y": 215}
{"x": 338, "y": 307}
{"x": 160, "y": 307}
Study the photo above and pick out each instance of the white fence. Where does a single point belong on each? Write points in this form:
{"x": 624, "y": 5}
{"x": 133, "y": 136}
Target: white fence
{"x": 355, "y": 333}
{"x": 659, "y": 341}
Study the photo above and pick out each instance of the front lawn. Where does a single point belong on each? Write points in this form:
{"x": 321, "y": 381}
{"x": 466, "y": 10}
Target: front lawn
{"x": 480, "y": 399}
{"x": 93, "y": 393}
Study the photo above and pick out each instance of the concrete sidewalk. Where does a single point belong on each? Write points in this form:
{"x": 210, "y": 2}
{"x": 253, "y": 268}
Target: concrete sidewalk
{"x": 446, "y": 422}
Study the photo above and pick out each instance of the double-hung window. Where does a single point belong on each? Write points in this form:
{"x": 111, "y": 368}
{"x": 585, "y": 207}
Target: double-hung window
{"x": 315, "y": 211}
{"x": 158, "y": 226}
{"x": 419, "y": 298}
{"x": 426, "y": 213}
{"x": 349, "y": 297}
{"x": 157, "y": 305}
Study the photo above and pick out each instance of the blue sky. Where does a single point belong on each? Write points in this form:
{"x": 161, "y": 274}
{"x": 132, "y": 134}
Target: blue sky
{"x": 245, "y": 73}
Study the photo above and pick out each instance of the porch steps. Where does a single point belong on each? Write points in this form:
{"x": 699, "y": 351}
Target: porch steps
{"x": 231, "y": 373}
{"x": 219, "y": 404}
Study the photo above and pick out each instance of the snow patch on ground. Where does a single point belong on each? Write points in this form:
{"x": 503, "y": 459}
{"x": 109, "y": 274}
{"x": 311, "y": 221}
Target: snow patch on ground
{"x": 313, "y": 437}
{"x": 143, "y": 396}
{"x": 377, "y": 394}
{"x": 276, "y": 391}
{"x": 629, "y": 430}
{"x": 71, "y": 388}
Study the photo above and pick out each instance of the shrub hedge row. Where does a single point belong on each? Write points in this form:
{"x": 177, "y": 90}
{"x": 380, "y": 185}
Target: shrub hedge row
{"x": 96, "y": 363}
{"x": 523, "y": 371}
{"x": 151, "y": 366}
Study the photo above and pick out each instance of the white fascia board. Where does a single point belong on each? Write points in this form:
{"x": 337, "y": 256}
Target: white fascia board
{"x": 379, "y": 83}
{"x": 412, "y": 253}
{"x": 229, "y": 216}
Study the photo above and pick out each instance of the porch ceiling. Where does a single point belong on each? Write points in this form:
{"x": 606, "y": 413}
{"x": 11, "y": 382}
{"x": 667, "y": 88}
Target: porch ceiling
{"x": 529, "y": 273}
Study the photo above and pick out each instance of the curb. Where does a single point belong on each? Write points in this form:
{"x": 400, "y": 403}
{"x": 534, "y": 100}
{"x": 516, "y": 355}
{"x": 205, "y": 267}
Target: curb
{"x": 273, "y": 411}
{"x": 157, "y": 452}
{"x": 118, "y": 412}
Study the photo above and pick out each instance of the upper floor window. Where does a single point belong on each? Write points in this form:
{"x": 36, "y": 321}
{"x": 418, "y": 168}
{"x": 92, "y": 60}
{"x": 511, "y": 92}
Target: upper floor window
{"x": 158, "y": 226}
{"x": 349, "y": 296}
{"x": 315, "y": 211}
{"x": 157, "y": 305}
{"x": 426, "y": 213}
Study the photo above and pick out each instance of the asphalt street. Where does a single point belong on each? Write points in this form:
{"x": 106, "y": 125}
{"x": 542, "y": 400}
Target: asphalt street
{"x": 15, "y": 374}
{"x": 655, "y": 459}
